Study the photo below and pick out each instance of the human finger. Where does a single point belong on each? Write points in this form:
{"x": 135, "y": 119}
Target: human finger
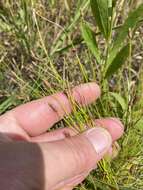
{"x": 39, "y": 115}
{"x": 55, "y": 135}
{"x": 113, "y": 125}
{"x": 73, "y": 156}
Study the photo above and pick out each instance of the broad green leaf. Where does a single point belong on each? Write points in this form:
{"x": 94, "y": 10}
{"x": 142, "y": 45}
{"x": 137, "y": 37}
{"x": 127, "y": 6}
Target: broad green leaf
{"x": 101, "y": 15}
{"x": 131, "y": 22}
{"x": 118, "y": 61}
{"x": 119, "y": 99}
{"x": 89, "y": 38}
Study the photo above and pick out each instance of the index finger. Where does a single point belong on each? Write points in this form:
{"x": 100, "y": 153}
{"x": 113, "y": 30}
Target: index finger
{"x": 39, "y": 115}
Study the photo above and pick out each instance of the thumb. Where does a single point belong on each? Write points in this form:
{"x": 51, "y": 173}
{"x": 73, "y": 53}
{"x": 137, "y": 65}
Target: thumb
{"x": 65, "y": 159}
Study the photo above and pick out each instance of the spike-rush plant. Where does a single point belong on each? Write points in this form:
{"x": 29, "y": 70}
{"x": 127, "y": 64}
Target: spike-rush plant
{"x": 117, "y": 38}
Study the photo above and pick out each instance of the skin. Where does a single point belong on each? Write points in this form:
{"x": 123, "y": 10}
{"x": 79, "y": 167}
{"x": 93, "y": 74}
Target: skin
{"x": 67, "y": 157}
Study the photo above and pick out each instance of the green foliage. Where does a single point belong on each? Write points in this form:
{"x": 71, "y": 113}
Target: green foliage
{"x": 118, "y": 61}
{"x": 82, "y": 5}
{"x": 89, "y": 37}
{"x": 5, "y": 105}
{"x": 101, "y": 15}
{"x": 130, "y": 23}
{"x": 115, "y": 49}
{"x": 120, "y": 100}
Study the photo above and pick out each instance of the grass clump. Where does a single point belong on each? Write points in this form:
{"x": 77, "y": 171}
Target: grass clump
{"x": 50, "y": 46}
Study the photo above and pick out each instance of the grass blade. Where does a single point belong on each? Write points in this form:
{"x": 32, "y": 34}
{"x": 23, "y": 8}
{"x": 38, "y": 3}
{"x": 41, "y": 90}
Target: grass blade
{"x": 100, "y": 12}
{"x": 6, "y": 104}
{"x": 118, "y": 61}
{"x": 60, "y": 40}
{"x": 89, "y": 38}
{"x": 131, "y": 22}
{"x": 120, "y": 100}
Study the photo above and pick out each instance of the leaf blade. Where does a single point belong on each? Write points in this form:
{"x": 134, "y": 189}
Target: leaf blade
{"x": 120, "y": 100}
{"x": 100, "y": 13}
{"x": 89, "y": 38}
{"x": 118, "y": 61}
{"x": 130, "y": 23}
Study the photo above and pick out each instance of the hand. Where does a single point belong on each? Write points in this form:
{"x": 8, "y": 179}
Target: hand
{"x": 68, "y": 157}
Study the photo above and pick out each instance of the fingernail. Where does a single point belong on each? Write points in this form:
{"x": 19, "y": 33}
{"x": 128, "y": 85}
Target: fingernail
{"x": 100, "y": 139}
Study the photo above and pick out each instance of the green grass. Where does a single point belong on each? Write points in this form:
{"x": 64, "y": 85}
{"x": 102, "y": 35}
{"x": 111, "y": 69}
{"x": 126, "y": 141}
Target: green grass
{"x": 42, "y": 51}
